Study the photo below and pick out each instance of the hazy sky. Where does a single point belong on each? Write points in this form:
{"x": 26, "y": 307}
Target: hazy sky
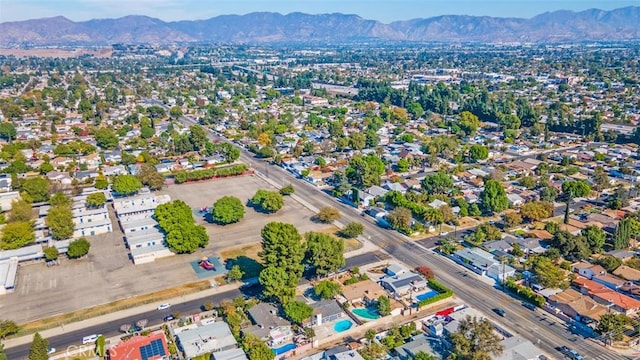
{"x": 385, "y": 11}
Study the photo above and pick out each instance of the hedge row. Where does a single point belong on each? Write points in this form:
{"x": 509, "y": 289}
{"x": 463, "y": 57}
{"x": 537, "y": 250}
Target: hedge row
{"x": 203, "y": 174}
{"x": 525, "y": 293}
{"x": 444, "y": 292}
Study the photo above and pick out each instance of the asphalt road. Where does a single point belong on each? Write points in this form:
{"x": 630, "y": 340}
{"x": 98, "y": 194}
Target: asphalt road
{"x": 111, "y": 329}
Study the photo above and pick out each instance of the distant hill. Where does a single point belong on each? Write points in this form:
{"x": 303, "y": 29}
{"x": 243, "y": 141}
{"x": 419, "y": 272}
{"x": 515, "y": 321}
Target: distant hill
{"x": 264, "y": 27}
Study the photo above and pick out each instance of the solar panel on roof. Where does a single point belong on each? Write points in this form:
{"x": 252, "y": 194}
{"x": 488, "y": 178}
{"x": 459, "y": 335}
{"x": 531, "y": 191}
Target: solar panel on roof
{"x": 154, "y": 348}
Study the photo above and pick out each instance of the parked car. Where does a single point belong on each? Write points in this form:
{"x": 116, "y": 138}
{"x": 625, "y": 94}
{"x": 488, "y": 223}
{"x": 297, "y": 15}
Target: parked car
{"x": 169, "y": 318}
{"x": 89, "y": 339}
{"x": 164, "y": 306}
{"x": 51, "y": 350}
{"x": 500, "y": 311}
{"x": 570, "y": 353}
{"x": 529, "y": 305}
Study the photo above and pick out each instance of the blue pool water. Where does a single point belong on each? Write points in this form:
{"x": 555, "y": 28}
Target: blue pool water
{"x": 342, "y": 325}
{"x": 366, "y": 313}
{"x": 427, "y": 295}
{"x": 283, "y": 349}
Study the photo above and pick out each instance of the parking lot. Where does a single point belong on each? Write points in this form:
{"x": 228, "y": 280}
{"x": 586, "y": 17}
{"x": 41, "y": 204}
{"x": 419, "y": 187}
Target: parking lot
{"x": 107, "y": 274}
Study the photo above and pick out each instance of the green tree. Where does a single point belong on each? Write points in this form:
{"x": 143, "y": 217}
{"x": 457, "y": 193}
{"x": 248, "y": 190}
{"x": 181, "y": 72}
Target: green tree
{"x": 8, "y": 327}
{"x": 365, "y": 171}
{"x": 527, "y": 181}
{"x": 51, "y": 253}
{"x": 287, "y": 190}
{"x": 187, "y": 238}
{"x": 227, "y": 210}
{"x": 276, "y": 284}
{"x": 149, "y": 176}
{"x": 352, "y": 230}
{"x": 573, "y": 189}
{"x": 328, "y": 214}
{"x": 478, "y": 152}
{"x": 268, "y": 201}
{"x": 324, "y": 253}
{"x": 3, "y": 355}
{"x": 537, "y": 210}
{"x": 549, "y": 274}
{"x": 595, "y": 237}
{"x": 297, "y": 311}
{"x": 106, "y": 138}
{"x": 613, "y": 325}
{"x": 610, "y": 263}
{"x": 39, "y": 348}
{"x": 8, "y": 131}
{"x": 468, "y": 123}
{"x": 327, "y": 289}
{"x": 95, "y": 200}
{"x": 622, "y": 235}
{"x": 402, "y": 165}
{"x": 175, "y": 112}
{"x": 256, "y": 349}
{"x": 126, "y": 185}
{"x": 235, "y": 273}
{"x": 512, "y": 219}
{"x": 20, "y": 211}
{"x": 37, "y": 188}
{"x": 383, "y": 305}
{"x": 475, "y": 339}
{"x": 437, "y": 183}
{"x": 78, "y": 248}
{"x": 60, "y": 199}
{"x": 60, "y": 222}
{"x": 421, "y": 355}
{"x": 282, "y": 249}
{"x": 16, "y": 235}
{"x": 357, "y": 141}
{"x": 400, "y": 219}
{"x": 494, "y": 197}
{"x": 101, "y": 349}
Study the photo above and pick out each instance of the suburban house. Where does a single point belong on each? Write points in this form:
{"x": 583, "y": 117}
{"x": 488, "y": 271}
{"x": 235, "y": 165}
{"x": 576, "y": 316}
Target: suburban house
{"x": 483, "y": 263}
{"x": 627, "y": 273}
{"x": 209, "y": 337}
{"x": 588, "y": 270}
{"x": 577, "y": 306}
{"x": 268, "y": 325}
{"x": 516, "y": 347}
{"x": 152, "y": 347}
{"x": 363, "y": 292}
{"x": 420, "y": 343}
{"x": 324, "y": 311}
{"x": 400, "y": 281}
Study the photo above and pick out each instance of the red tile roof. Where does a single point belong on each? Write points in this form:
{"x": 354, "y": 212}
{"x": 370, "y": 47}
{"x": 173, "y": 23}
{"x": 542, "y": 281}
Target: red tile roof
{"x": 130, "y": 349}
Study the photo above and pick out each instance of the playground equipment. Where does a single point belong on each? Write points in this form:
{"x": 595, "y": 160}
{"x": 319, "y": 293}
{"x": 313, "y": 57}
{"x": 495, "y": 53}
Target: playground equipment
{"x": 206, "y": 264}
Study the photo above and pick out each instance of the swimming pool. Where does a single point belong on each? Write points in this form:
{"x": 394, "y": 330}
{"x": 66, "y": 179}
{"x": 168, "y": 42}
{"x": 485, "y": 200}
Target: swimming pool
{"x": 366, "y": 313}
{"x": 426, "y": 295}
{"x": 283, "y": 349}
{"x": 342, "y": 325}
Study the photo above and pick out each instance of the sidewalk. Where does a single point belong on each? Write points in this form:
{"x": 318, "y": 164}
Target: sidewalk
{"x": 59, "y": 330}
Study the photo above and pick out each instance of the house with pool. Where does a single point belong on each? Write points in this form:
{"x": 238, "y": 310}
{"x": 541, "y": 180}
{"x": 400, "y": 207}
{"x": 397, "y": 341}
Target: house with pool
{"x": 269, "y": 326}
{"x": 324, "y": 311}
{"x": 400, "y": 281}
{"x": 363, "y": 293}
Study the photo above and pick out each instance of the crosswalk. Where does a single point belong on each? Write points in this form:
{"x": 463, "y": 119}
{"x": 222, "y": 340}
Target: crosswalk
{"x": 611, "y": 356}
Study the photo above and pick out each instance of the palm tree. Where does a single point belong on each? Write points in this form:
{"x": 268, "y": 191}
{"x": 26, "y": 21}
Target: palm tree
{"x": 476, "y": 340}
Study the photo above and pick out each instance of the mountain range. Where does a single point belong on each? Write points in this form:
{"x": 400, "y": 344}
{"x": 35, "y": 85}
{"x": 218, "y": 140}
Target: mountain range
{"x": 266, "y": 27}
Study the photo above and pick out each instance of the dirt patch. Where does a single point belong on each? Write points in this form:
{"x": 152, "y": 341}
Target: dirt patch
{"x": 467, "y": 222}
{"x": 247, "y": 257}
{"x": 118, "y": 305}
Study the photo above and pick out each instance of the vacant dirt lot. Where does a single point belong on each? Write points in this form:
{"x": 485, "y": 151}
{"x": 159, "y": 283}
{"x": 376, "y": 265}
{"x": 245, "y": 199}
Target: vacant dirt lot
{"x": 107, "y": 274}
{"x": 246, "y": 231}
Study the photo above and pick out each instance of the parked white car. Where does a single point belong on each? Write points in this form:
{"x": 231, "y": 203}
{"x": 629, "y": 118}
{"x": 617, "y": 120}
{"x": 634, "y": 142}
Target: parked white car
{"x": 164, "y": 306}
